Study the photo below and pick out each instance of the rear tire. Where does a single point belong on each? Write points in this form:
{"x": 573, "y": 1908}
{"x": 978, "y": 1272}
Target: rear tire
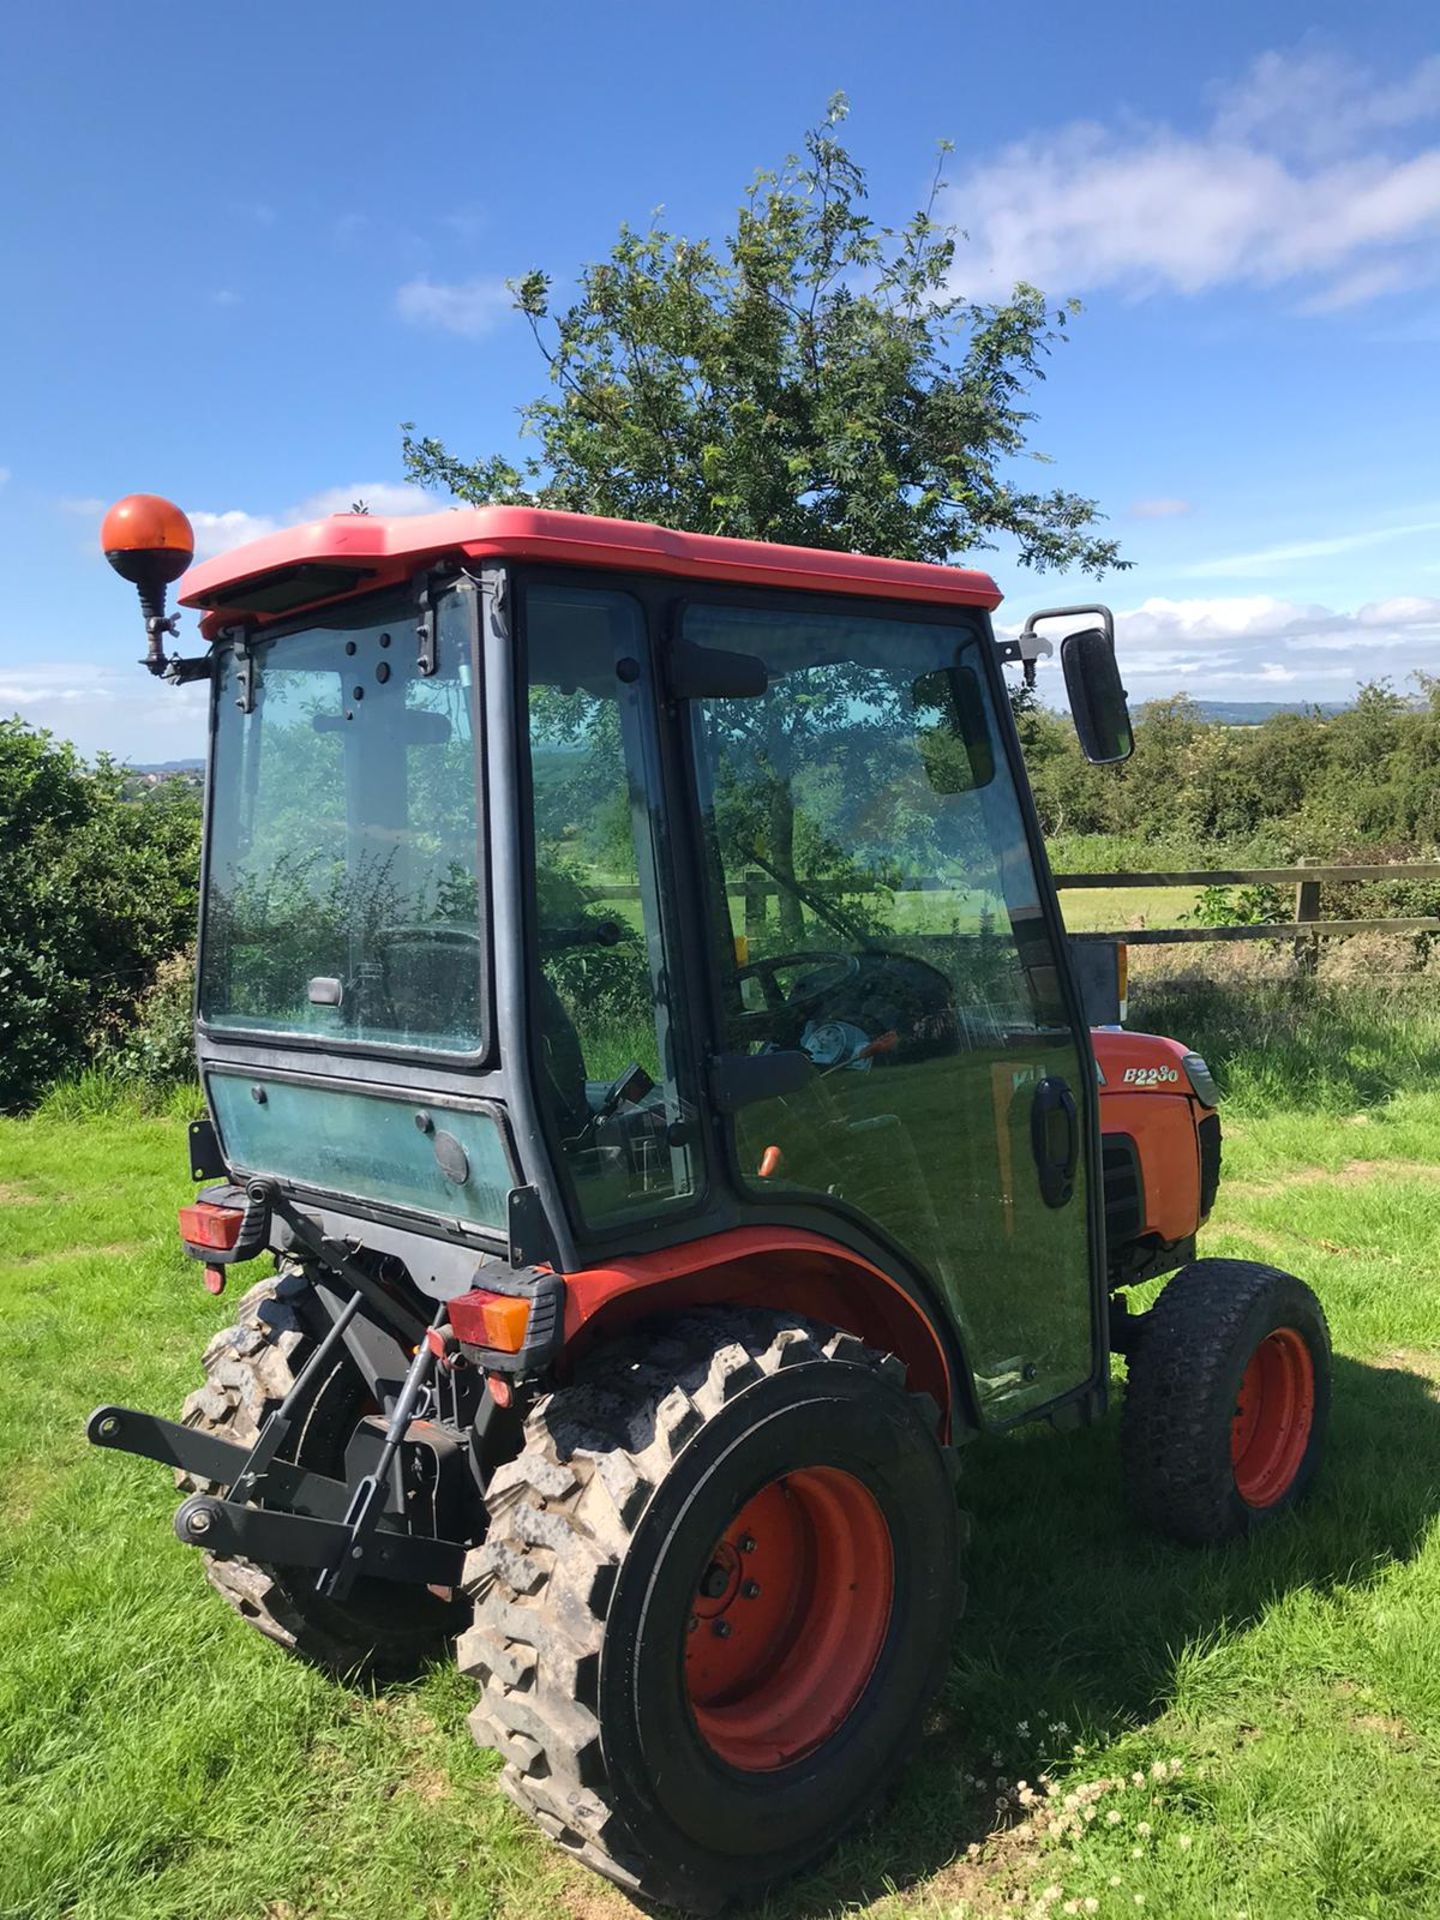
{"x": 772, "y": 1482}
{"x": 383, "y": 1628}
{"x": 1228, "y": 1400}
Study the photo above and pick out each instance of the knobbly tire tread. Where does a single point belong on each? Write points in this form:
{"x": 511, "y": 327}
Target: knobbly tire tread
{"x": 1179, "y": 1398}
{"x": 249, "y": 1368}
{"x": 562, "y": 1514}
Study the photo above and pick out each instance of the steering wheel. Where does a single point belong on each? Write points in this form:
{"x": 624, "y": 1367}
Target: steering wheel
{"x": 836, "y": 970}
{"x": 427, "y": 980}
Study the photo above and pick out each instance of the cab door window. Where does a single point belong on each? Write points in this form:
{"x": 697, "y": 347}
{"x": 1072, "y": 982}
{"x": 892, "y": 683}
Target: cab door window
{"x": 875, "y": 907}
{"x": 610, "y": 1074}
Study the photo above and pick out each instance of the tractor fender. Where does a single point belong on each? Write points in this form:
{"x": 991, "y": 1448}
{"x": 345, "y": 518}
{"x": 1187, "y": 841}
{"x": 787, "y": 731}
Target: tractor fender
{"x": 783, "y": 1267}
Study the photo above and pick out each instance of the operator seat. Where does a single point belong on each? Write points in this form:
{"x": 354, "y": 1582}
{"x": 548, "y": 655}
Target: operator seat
{"x": 563, "y": 1062}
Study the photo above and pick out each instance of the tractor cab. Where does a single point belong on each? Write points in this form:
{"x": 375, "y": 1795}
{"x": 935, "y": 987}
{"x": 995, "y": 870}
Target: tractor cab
{"x": 635, "y": 1012}
{"x": 647, "y": 884}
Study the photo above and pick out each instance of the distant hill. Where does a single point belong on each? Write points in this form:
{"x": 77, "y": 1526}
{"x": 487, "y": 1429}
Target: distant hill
{"x": 1249, "y": 713}
{"x": 170, "y": 766}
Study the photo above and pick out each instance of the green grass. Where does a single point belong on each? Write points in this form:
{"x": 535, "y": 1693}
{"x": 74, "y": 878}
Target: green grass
{"x": 1115, "y": 909}
{"x": 157, "y": 1759}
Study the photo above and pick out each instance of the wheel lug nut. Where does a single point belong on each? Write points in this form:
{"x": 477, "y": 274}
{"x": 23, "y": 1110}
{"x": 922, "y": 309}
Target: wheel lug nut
{"x": 721, "y": 1629}
{"x": 751, "y": 1590}
{"x": 747, "y": 1543}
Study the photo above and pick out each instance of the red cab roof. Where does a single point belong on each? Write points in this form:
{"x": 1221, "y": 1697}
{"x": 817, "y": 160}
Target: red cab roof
{"x": 326, "y": 559}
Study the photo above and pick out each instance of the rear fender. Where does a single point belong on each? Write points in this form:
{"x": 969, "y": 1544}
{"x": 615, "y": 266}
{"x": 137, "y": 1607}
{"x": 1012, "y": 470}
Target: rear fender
{"x": 761, "y": 1267}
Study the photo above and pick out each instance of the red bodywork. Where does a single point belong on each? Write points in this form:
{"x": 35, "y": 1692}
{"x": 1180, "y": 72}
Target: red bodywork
{"x": 1145, "y": 1092}
{"x": 386, "y": 552}
{"x": 761, "y": 1267}
{"x": 758, "y": 1266}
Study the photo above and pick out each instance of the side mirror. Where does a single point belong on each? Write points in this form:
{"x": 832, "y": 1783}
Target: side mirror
{"x": 1097, "y": 699}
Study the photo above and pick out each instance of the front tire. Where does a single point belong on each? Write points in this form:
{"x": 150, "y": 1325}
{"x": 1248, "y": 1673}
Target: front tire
{"x": 715, "y": 1601}
{"x": 1228, "y": 1401}
{"x": 383, "y": 1628}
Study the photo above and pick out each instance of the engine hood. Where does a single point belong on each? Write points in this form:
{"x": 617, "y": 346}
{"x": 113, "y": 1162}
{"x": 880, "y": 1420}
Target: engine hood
{"x": 1148, "y": 1062}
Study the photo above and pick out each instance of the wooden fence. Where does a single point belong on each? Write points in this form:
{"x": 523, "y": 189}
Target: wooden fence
{"x": 1307, "y": 929}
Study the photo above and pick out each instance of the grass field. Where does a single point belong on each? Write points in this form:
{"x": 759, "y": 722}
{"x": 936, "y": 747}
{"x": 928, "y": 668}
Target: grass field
{"x": 1113, "y": 909}
{"x": 1278, "y": 1703}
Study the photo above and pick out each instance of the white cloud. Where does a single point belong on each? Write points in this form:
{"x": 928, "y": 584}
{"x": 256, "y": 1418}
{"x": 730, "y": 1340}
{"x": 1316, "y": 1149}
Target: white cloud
{"x": 1295, "y": 181}
{"x": 1160, "y": 509}
{"x": 1275, "y": 559}
{"x": 1248, "y": 646}
{"x": 466, "y": 307}
{"x": 1314, "y": 103}
{"x": 1364, "y": 284}
{"x": 115, "y": 709}
{"x": 219, "y": 532}
{"x": 384, "y": 498}
{"x": 1228, "y": 642}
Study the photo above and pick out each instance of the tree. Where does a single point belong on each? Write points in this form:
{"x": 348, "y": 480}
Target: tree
{"x": 96, "y": 890}
{"x": 815, "y": 380}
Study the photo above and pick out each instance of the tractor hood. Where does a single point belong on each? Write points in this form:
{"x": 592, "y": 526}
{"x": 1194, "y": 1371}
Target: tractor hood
{"x": 1135, "y": 1062}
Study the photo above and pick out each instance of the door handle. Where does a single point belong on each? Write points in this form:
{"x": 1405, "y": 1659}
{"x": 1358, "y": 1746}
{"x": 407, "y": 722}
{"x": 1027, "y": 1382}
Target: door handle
{"x": 1055, "y": 1140}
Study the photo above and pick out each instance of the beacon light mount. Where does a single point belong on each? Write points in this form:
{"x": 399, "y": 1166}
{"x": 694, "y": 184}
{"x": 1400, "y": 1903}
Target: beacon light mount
{"x": 150, "y": 542}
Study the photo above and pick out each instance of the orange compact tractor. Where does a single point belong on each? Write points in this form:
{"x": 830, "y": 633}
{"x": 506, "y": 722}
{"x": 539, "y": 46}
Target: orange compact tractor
{"x": 635, "y": 1014}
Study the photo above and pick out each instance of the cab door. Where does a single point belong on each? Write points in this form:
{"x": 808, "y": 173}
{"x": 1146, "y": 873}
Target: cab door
{"x": 897, "y": 1044}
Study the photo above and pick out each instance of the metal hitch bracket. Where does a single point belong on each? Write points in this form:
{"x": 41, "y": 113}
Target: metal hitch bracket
{"x": 277, "y": 1538}
{"x": 368, "y": 1504}
{"x": 192, "y": 1450}
{"x": 343, "y": 1531}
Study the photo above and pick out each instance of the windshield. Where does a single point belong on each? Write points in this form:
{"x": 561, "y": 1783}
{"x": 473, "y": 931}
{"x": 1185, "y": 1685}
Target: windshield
{"x": 343, "y": 898}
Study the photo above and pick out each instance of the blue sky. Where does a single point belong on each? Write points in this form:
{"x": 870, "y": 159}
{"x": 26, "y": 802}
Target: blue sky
{"x": 240, "y": 245}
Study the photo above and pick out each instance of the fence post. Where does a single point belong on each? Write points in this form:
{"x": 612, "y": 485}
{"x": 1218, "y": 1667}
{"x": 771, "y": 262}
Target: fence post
{"x": 754, "y": 905}
{"x": 1307, "y": 907}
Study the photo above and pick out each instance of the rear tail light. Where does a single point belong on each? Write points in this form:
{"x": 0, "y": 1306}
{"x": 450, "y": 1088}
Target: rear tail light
{"x": 496, "y": 1320}
{"x": 206, "y": 1225}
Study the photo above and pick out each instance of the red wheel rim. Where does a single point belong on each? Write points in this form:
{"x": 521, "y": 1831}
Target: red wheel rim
{"x": 1273, "y": 1417}
{"x": 788, "y": 1618}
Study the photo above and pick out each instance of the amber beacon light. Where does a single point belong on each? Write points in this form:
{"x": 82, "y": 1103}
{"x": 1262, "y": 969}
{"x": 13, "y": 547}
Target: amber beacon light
{"x": 149, "y": 542}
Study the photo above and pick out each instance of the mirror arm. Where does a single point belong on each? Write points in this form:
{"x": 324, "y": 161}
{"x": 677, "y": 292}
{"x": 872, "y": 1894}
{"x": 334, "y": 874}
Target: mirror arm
{"x": 1027, "y": 650}
{"x": 1096, "y": 612}
{"x": 1030, "y": 647}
